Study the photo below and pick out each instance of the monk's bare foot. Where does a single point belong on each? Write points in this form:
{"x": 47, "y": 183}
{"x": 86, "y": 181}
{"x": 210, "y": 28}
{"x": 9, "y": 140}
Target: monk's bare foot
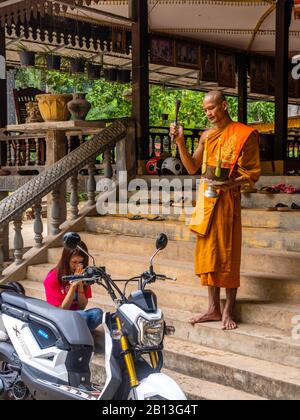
{"x": 228, "y": 324}
{"x": 208, "y": 317}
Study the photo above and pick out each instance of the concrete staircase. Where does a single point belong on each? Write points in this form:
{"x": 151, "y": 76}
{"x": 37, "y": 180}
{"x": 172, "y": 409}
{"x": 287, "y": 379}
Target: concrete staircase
{"x": 260, "y": 360}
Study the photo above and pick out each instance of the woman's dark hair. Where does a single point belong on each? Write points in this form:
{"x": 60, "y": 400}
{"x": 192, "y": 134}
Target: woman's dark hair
{"x": 63, "y": 267}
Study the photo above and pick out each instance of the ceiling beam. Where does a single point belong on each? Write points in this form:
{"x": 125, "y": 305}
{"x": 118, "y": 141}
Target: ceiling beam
{"x": 9, "y": 3}
{"x": 86, "y": 9}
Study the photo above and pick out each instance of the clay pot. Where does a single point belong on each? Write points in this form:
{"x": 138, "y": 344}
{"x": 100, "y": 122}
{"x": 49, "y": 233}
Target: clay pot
{"x": 79, "y": 107}
{"x": 54, "y": 107}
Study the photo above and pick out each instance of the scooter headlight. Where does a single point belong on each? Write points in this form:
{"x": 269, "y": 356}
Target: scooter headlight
{"x": 151, "y": 333}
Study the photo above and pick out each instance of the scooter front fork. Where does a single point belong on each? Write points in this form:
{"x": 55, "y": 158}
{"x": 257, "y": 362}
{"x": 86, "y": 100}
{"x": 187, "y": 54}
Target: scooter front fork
{"x": 129, "y": 362}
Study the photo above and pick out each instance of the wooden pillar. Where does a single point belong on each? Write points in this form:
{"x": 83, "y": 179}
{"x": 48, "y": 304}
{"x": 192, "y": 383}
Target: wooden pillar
{"x": 242, "y": 63}
{"x": 3, "y": 87}
{"x": 283, "y": 21}
{"x": 5, "y": 236}
{"x": 140, "y": 80}
{"x": 56, "y": 203}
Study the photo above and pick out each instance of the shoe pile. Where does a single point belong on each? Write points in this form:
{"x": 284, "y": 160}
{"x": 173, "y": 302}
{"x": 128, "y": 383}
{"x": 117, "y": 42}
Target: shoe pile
{"x": 287, "y": 189}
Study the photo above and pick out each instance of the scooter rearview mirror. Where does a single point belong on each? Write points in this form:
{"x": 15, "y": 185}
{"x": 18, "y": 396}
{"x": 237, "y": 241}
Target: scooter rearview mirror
{"x": 162, "y": 242}
{"x": 71, "y": 240}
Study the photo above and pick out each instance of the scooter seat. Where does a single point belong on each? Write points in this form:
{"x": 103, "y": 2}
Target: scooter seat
{"x": 71, "y": 325}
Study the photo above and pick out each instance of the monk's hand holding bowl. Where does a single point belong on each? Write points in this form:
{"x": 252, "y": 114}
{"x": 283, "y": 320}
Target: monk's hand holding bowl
{"x": 177, "y": 133}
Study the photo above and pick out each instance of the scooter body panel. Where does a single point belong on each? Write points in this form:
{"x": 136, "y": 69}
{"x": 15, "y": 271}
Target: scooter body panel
{"x": 51, "y": 361}
{"x": 158, "y": 386}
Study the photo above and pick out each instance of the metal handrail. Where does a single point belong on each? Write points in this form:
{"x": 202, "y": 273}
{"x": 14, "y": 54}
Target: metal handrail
{"x": 34, "y": 190}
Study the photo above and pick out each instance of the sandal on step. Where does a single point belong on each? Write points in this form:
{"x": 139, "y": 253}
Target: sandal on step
{"x": 136, "y": 217}
{"x": 156, "y": 219}
{"x": 295, "y": 206}
{"x": 268, "y": 190}
{"x": 282, "y": 207}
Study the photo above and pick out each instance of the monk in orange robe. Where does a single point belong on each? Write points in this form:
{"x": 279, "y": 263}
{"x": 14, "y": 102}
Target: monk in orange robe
{"x": 219, "y": 227}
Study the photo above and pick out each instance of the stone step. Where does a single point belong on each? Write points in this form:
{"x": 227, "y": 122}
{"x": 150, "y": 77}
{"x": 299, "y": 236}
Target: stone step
{"x": 270, "y": 287}
{"x": 267, "y": 314}
{"x": 265, "y": 180}
{"x": 258, "y": 200}
{"x": 268, "y": 380}
{"x": 249, "y": 340}
{"x": 272, "y": 239}
{"x": 260, "y": 218}
{"x": 271, "y": 262}
{"x": 251, "y": 218}
{"x": 254, "y": 285}
{"x": 194, "y": 388}
{"x": 249, "y": 200}
{"x": 245, "y": 374}
{"x": 277, "y": 238}
{"x": 180, "y": 256}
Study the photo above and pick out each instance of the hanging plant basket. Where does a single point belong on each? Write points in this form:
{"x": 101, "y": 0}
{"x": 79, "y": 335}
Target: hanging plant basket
{"x": 93, "y": 71}
{"x": 111, "y": 74}
{"x": 27, "y": 58}
{"x": 77, "y": 65}
{"x": 124, "y": 76}
{"x": 53, "y": 62}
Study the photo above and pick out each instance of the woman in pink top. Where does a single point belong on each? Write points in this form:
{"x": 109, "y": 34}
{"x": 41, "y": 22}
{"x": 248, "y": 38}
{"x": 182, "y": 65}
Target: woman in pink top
{"x": 72, "y": 296}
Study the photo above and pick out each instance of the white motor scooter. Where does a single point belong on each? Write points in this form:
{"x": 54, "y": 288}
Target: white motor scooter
{"x": 45, "y": 352}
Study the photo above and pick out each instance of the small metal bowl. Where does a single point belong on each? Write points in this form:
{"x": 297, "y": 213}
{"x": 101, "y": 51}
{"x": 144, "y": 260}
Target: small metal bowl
{"x": 210, "y": 174}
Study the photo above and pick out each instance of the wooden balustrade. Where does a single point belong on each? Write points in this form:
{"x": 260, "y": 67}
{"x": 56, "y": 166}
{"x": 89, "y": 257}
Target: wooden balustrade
{"x": 23, "y": 152}
{"x": 160, "y": 141}
{"x": 57, "y": 199}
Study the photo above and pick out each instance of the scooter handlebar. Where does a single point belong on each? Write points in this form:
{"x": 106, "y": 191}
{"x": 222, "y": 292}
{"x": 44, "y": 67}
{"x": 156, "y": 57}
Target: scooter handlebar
{"x": 72, "y": 279}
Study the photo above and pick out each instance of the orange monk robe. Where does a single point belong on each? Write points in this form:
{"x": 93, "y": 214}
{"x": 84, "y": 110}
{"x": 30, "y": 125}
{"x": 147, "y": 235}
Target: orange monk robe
{"x": 218, "y": 250}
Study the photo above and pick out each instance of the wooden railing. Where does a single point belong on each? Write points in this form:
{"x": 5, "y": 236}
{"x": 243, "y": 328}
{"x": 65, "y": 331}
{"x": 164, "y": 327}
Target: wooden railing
{"x": 160, "y": 141}
{"x": 52, "y": 181}
{"x": 23, "y": 152}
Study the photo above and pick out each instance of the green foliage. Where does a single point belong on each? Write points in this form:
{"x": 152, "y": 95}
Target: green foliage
{"x": 108, "y": 102}
{"x": 28, "y": 77}
{"x": 261, "y": 111}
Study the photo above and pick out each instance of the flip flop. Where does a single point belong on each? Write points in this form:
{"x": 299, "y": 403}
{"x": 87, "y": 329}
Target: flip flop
{"x": 282, "y": 207}
{"x": 136, "y": 217}
{"x": 279, "y": 207}
{"x": 268, "y": 190}
{"x": 295, "y": 207}
{"x": 156, "y": 219}
{"x": 249, "y": 190}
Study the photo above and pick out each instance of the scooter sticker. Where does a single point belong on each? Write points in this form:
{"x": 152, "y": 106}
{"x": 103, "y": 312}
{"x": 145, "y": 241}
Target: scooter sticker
{"x": 91, "y": 396}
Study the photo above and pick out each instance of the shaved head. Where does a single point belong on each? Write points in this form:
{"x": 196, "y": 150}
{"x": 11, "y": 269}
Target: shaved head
{"x": 215, "y": 107}
{"x": 216, "y": 96}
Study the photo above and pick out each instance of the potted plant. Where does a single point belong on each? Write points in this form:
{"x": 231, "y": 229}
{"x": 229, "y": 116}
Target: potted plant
{"x": 53, "y": 106}
{"x": 124, "y": 76}
{"x": 111, "y": 74}
{"x": 27, "y": 58}
{"x": 77, "y": 64}
{"x": 52, "y": 61}
{"x": 93, "y": 71}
